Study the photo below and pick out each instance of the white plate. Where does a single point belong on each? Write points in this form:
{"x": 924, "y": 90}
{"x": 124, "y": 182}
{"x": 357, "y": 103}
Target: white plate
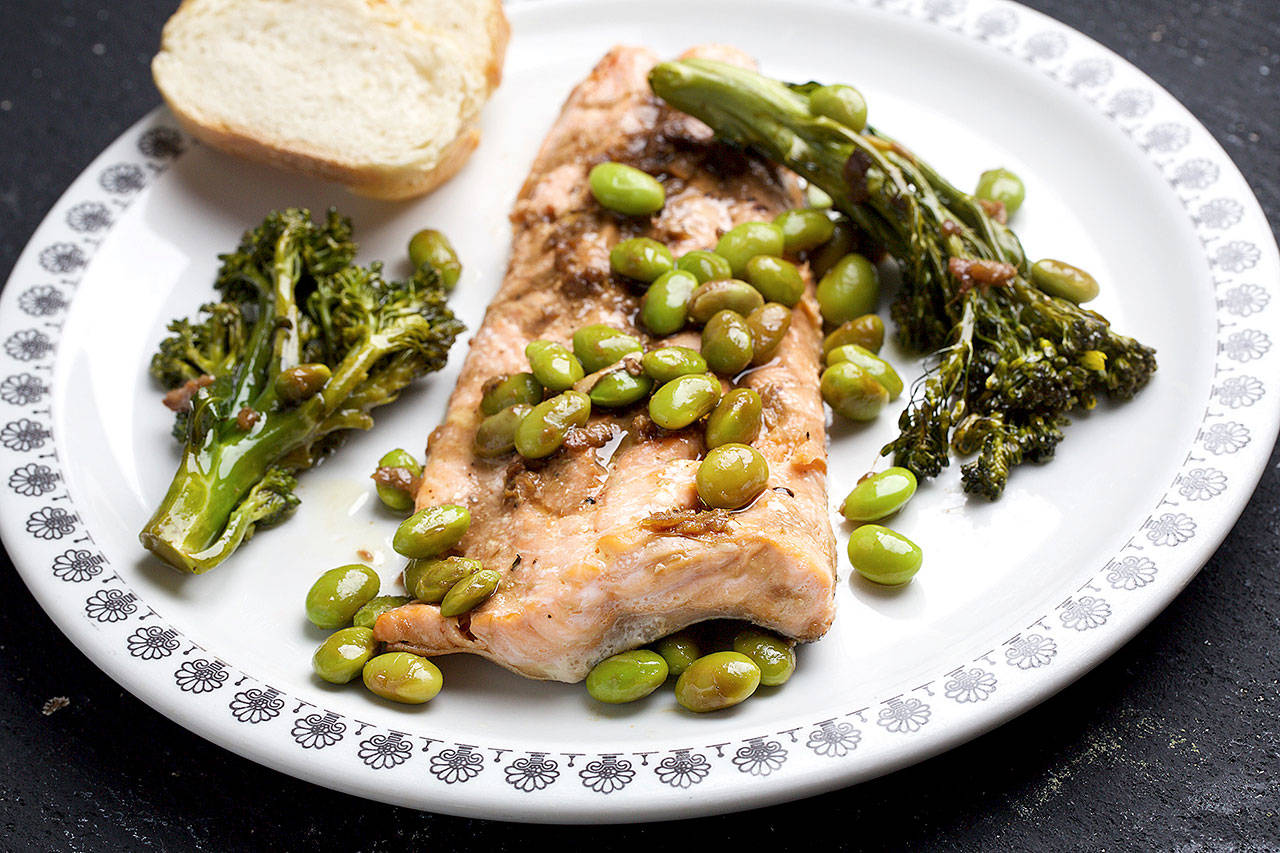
{"x": 1016, "y": 599}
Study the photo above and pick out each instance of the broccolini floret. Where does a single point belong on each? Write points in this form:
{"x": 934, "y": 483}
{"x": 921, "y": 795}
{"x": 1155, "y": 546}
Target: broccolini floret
{"x": 1010, "y": 360}
{"x": 300, "y": 348}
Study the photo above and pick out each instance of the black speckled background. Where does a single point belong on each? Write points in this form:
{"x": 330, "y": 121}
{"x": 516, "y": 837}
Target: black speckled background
{"x": 1173, "y": 743}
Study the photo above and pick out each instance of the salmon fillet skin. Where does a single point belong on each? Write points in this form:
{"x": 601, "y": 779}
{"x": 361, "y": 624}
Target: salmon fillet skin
{"x": 604, "y": 546}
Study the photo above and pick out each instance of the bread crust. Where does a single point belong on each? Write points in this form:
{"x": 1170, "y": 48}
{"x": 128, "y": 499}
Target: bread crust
{"x": 391, "y": 182}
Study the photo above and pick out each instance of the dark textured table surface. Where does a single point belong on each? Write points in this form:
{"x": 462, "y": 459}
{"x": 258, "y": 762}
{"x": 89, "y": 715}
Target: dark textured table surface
{"x": 1174, "y": 742}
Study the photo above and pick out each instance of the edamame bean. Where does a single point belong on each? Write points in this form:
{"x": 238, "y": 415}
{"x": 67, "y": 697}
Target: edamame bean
{"x": 597, "y": 346}
{"x": 842, "y": 241}
{"x": 1003, "y": 186}
{"x": 736, "y": 420}
{"x": 726, "y": 343}
{"x": 804, "y": 229}
{"x": 543, "y": 430}
{"x": 338, "y": 593}
{"x": 343, "y": 654}
{"x": 496, "y": 435}
{"x": 393, "y": 498}
{"x": 768, "y": 325}
{"x": 1061, "y": 279}
{"x": 619, "y": 389}
{"x": 641, "y": 258}
{"x": 880, "y": 495}
{"x": 684, "y": 400}
{"x": 852, "y": 392}
{"x": 704, "y": 266}
{"x": 626, "y": 189}
{"x": 775, "y": 656}
{"x": 430, "y": 246}
{"x": 776, "y": 279}
{"x": 718, "y": 680}
{"x": 732, "y": 476}
{"x": 849, "y": 289}
{"x": 865, "y": 331}
{"x": 403, "y": 677}
{"x": 664, "y": 308}
{"x": 884, "y": 556}
{"x": 743, "y": 242}
{"x": 817, "y": 197}
{"x": 667, "y": 363}
{"x": 366, "y": 616}
{"x": 503, "y": 391}
{"x": 431, "y": 580}
{"x": 725, "y": 295}
{"x": 626, "y": 677}
{"x": 431, "y": 531}
{"x": 679, "y": 650}
{"x": 553, "y": 365}
{"x": 295, "y": 384}
{"x": 470, "y": 592}
{"x": 875, "y": 366}
{"x": 842, "y": 104}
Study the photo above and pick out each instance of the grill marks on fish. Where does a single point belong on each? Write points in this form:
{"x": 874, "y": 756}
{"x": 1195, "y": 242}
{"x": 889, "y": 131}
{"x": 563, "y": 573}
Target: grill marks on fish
{"x": 606, "y": 543}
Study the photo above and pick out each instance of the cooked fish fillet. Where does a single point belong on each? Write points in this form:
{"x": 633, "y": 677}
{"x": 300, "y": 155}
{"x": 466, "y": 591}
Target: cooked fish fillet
{"x": 603, "y": 546}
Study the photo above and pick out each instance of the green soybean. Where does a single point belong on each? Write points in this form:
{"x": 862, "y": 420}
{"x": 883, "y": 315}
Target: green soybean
{"x": 884, "y": 556}
{"x": 879, "y": 369}
{"x": 804, "y": 229}
{"x": 775, "y": 656}
{"x": 626, "y": 677}
{"x": 704, "y": 266}
{"x": 619, "y": 389}
{"x": 597, "y": 346}
{"x": 431, "y": 531}
{"x": 343, "y": 654}
{"x": 1003, "y": 186}
{"x": 736, "y": 420}
{"x": 679, "y": 650}
{"x": 396, "y": 499}
{"x": 718, "y": 680}
{"x": 851, "y": 392}
{"x": 553, "y": 365}
{"x": 842, "y": 104}
{"x": 726, "y": 343}
{"x": 850, "y": 289}
{"x": 403, "y": 677}
{"x": 768, "y": 325}
{"x": 430, "y": 580}
{"x": 731, "y": 476}
{"x": 338, "y": 593}
{"x": 641, "y": 258}
{"x": 1061, "y": 279}
{"x": 496, "y": 434}
{"x": 368, "y": 615}
{"x": 667, "y": 363}
{"x": 842, "y": 241}
{"x": 664, "y": 308}
{"x": 880, "y": 495}
{"x": 684, "y": 400}
{"x": 503, "y": 391}
{"x": 544, "y": 429}
{"x": 470, "y": 592}
{"x": 626, "y": 189}
{"x": 432, "y": 247}
{"x": 865, "y": 331}
{"x": 777, "y": 280}
{"x": 295, "y": 384}
{"x": 726, "y": 295}
{"x": 743, "y": 242}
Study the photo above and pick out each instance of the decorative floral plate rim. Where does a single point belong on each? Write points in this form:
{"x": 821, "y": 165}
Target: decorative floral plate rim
{"x": 120, "y": 631}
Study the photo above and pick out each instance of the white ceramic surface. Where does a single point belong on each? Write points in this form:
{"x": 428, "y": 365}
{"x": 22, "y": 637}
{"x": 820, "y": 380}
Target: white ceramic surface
{"x": 1016, "y": 598}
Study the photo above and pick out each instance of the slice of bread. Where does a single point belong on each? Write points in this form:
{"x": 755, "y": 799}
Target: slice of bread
{"x": 363, "y": 92}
